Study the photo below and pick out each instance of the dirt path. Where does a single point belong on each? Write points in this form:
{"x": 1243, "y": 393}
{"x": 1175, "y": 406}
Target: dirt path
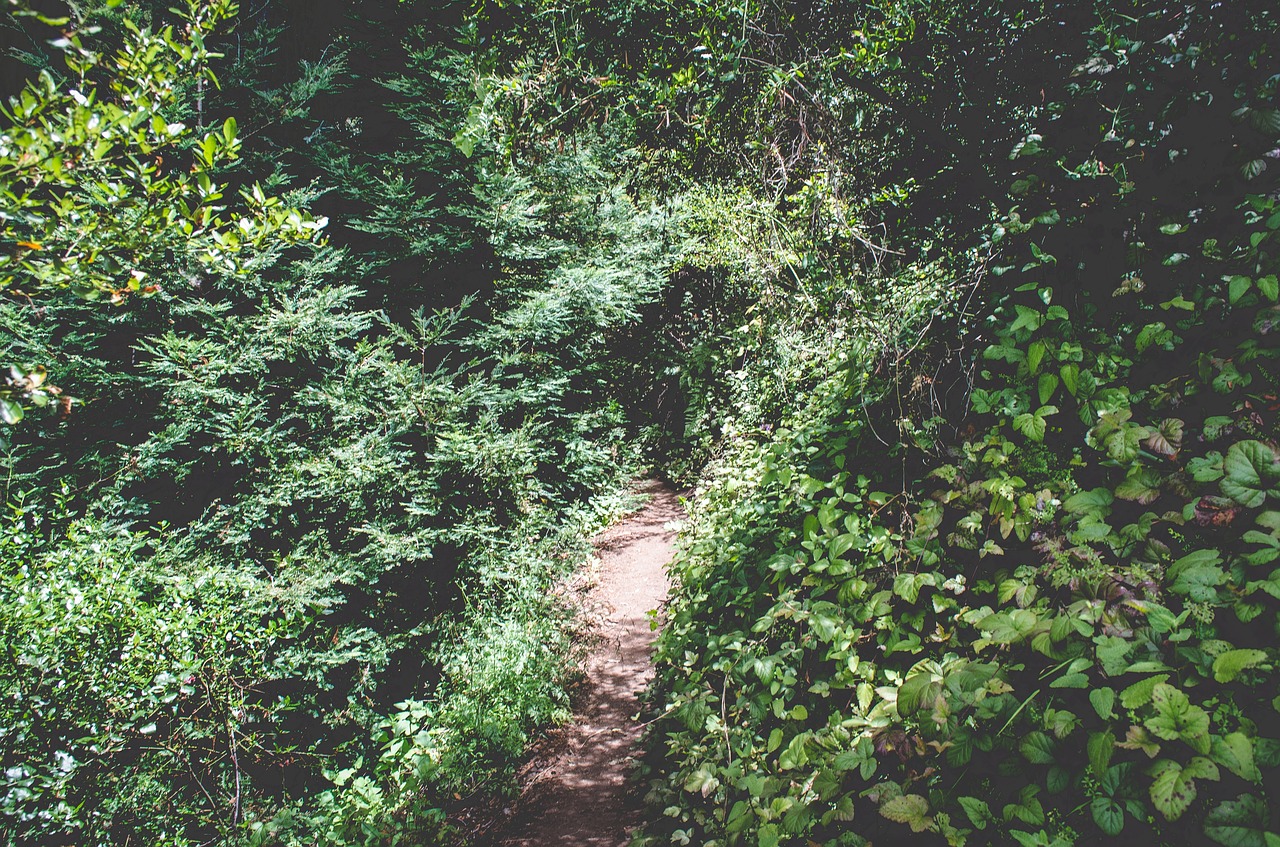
{"x": 576, "y": 792}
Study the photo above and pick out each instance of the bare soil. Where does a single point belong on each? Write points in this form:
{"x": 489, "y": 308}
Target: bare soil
{"x": 575, "y": 787}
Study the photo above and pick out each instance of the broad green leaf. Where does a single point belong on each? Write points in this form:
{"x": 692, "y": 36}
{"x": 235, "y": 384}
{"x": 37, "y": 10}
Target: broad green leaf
{"x": 1139, "y": 694}
{"x": 1166, "y": 440}
{"x": 1070, "y": 378}
{"x": 1176, "y": 718}
{"x": 1141, "y": 485}
{"x": 10, "y": 412}
{"x": 1107, "y": 814}
{"x": 1037, "y": 747}
{"x": 1103, "y": 701}
{"x": 1241, "y": 822}
{"x": 795, "y": 755}
{"x": 1269, "y": 285}
{"x": 1153, "y": 334}
{"x": 1234, "y": 752}
{"x": 1238, "y": 287}
{"x": 978, "y": 812}
{"x": 911, "y": 809}
{"x": 1227, "y": 666}
{"x": 918, "y": 692}
{"x": 1100, "y": 747}
{"x": 1031, "y": 425}
{"x": 1045, "y": 387}
{"x": 1096, "y": 502}
{"x": 1197, "y": 575}
{"x": 1173, "y": 788}
{"x": 1250, "y": 468}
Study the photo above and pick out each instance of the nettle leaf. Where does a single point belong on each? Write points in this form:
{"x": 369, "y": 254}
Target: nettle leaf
{"x": 1113, "y": 653}
{"x": 1115, "y": 435}
{"x": 1251, "y": 471}
{"x": 1228, "y": 665}
{"x": 978, "y": 811}
{"x": 1037, "y": 747}
{"x": 911, "y": 809}
{"x": 1241, "y": 822}
{"x": 908, "y": 585}
{"x": 1009, "y": 627}
{"x": 1176, "y": 718}
{"x": 1174, "y": 788}
{"x": 1166, "y": 440}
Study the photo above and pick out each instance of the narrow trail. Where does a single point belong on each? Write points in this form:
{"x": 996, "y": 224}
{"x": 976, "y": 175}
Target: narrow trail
{"x": 575, "y": 790}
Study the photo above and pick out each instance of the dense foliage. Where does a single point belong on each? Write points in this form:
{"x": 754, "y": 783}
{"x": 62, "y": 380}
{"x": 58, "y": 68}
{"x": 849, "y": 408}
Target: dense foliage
{"x": 1048, "y": 617}
{"x": 333, "y": 330}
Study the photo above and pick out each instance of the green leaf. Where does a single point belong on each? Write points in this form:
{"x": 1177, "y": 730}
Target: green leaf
{"x": 1166, "y": 440}
{"x": 1107, "y": 814}
{"x": 1070, "y": 378}
{"x": 1153, "y": 334}
{"x": 1027, "y": 319}
{"x": 1104, "y": 701}
{"x": 795, "y": 756}
{"x": 1250, "y": 468}
{"x": 1139, "y": 694}
{"x": 10, "y": 412}
{"x": 1100, "y": 747}
{"x": 1030, "y": 424}
{"x": 1045, "y": 388}
{"x": 978, "y": 811}
{"x": 1197, "y": 575}
{"x": 1096, "y": 502}
{"x": 1037, "y": 747}
{"x": 1035, "y": 355}
{"x": 702, "y": 781}
{"x": 1241, "y": 822}
{"x": 1238, "y": 287}
{"x": 917, "y": 692}
{"x": 1234, "y": 752}
{"x": 1141, "y": 485}
{"x": 1058, "y": 779}
{"x": 1174, "y": 789}
{"x": 911, "y": 809}
{"x": 1176, "y": 718}
{"x": 1227, "y": 666}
